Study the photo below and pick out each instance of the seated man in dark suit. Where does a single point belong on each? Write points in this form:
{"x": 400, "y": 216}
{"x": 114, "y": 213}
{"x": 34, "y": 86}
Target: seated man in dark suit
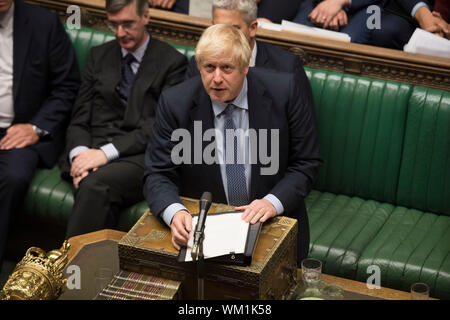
{"x": 39, "y": 80}
{"x": 346, "y": 16}
{"x": 400, "y": 18}
{"x": 113, "y": 116}
{"x": 245, "y": 113}
{"x": 242, "y": 14}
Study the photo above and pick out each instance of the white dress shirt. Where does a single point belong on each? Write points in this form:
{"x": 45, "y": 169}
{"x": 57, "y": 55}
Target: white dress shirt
{"x": 6, "y": 68}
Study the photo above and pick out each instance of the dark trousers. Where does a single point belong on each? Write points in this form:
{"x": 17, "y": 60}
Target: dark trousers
{"x": 102, "y": 195}
{"x": 277, "y": 10}
{"x": 356, "y": 27}
{"x": 17, "y": 167}
{"x": 395, "y": 31}
{"x": 181, "y": 6}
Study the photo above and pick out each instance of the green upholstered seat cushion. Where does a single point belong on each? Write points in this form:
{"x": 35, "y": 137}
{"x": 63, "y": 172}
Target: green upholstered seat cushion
{"x": 341, "y": 227}
{"x": 412, "y": 246}
{"x": 131, "y": 215}
{"x": 424, "y": 181}
{"x": 361, "y": 125}
{"x": 49, "y": 196}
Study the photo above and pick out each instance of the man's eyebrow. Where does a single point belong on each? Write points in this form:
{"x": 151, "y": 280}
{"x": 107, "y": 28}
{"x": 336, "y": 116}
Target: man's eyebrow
{"x": 122, "y": 21}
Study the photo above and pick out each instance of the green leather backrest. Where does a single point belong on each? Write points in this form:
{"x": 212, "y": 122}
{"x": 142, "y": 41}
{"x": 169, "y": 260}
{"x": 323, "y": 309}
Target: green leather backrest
{"x": 84, "y": 39}
{"x": 361, "y": 124}
{"x": 425, "y": 168}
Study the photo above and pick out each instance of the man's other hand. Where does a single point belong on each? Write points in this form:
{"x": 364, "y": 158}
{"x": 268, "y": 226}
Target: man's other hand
{"x": 432, "y": 22}
{"x": 19, "y": 136}
{"x": 87, "y": 160}
{"x": 180, "y": 227}
{"x": 165, "y": 4}
{"x": 258, "y": 210}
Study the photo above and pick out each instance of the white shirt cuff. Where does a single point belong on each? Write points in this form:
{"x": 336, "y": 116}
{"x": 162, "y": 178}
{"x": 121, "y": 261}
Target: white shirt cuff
{"x": 111, "y": 152}
{"x": 275, "y": 202}
{"x": 417, "y": 6}
{"x": 170, "y": 211}
{"x": 76, "y": 151}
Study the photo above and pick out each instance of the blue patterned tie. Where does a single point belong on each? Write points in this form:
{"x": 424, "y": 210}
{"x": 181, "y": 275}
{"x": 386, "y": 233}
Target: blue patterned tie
{"x": 236, "y": 182}
{"x": 126, "y": 83}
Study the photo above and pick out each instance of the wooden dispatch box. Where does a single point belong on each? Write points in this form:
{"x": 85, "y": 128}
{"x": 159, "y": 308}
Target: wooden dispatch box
{"x": 147, "y": 248}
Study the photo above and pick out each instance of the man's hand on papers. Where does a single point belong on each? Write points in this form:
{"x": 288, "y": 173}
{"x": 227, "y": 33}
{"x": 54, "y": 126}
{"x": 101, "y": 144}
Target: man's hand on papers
{"x": 180, "y": 227}
{"x": 258, "y": 210}
{"x": 432, "y": 22}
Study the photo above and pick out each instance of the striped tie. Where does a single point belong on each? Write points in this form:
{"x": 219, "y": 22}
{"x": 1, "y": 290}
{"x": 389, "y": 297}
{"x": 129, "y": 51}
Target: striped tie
{"x": 236, "y": 182}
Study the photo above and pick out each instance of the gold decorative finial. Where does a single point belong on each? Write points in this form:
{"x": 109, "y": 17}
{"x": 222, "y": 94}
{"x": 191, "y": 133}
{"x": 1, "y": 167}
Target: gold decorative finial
{"x": 38, "y": 276}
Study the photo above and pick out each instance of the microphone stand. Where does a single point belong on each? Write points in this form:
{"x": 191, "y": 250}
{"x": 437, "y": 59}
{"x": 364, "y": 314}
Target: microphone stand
{"x": 200, "y": 272}
{"x": 199, "y": 235}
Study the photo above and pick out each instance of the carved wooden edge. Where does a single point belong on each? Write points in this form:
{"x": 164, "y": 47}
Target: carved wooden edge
{"x": 315, "y": 52}
{"x": 78, "y": 242}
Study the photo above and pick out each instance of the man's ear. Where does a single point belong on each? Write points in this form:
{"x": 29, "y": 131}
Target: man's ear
{"x": 253, "y": 28}
{"x": 146, "y": 16}
{"x": 246, "y": 69}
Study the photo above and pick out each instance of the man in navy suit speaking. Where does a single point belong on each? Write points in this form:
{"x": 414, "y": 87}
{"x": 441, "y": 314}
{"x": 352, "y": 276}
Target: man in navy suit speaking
{"x": 39, "y": 80}
{"x": 246, "y": 136}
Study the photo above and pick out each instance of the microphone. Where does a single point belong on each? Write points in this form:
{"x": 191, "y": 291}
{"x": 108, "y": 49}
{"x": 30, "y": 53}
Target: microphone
{"x": 204, "y": 204}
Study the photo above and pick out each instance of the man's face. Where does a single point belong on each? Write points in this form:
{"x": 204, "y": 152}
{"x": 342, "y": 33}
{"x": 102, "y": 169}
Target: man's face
{"x": 234, "y": 18}
{"x": 5, "y": 5}
{"x": 222, "y": 78}
{"x": 128, "y": 27}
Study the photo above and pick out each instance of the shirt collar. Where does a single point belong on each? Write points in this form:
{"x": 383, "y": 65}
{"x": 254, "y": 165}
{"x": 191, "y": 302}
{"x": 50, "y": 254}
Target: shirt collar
{"x": 241, "y": 101}
{"x": 139, "y": 53}
{"x": 253, "y": 56}
{"x": 6, "y": 20}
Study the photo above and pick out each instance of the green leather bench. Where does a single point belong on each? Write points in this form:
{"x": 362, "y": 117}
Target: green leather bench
{"x": 382, "y": 196}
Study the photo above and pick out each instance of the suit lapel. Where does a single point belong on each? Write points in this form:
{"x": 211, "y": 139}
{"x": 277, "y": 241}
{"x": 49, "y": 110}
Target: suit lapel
{"x": 22, "y": 34}
{"x": 202, "y": 111}
{"x": 111, "y": 77}
{"x": 259, "y": 108}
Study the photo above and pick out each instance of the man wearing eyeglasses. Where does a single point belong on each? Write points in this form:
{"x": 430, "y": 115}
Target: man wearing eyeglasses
{"x": 113, "y": 117}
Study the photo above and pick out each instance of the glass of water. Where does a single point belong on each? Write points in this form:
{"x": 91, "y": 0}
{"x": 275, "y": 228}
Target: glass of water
{"x": 311, "y": 271}
{"x": 420, "y": 291}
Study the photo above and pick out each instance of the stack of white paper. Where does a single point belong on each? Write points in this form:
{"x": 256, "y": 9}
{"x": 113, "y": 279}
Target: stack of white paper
{"x": 270, "y": 26}
{"x": 200, "y": 8}
{"x": 224, "y": 233}
{"x": 426, "y": 42}
{"x": 296, "y": 27}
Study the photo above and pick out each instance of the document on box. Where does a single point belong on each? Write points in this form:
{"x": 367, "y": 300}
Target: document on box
{"x": 225, "y": 233}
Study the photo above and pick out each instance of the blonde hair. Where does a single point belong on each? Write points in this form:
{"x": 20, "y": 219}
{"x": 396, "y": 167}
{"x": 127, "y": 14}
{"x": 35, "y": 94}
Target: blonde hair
{"x": 222, "y": 39}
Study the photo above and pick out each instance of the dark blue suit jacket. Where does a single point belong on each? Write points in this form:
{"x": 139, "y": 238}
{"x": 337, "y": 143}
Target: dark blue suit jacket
{"x": 275, "y": 102}
{"x": 46, "y": 76}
